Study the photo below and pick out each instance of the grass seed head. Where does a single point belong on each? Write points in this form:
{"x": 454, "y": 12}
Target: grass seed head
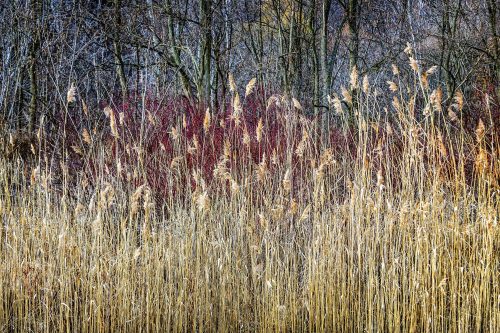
{"x": 232, "y": 83}
{"x": 203, "y": 202}
{"x": 296, "y": 104}
{"x": 174, "y": 133}
{"x": 347, "y": 97}
{"x": 414, "y": 64}
{"x": 250, "y": 86}
{"x": 207, "y": 120}
{"x": 353, "y": 79}
{"x": 71, "y": 95}
{"x": 408, "y": 49}
{"x": 86, "y": 136}
{"x": 237, "y": 109}
{"x": 337, "y": 105}
{"x": 481, "y": 161}
{"x": 258, "y": 130}
{"x": 393, "y": 87}
{"x": 395, "y": 70}
{"x": 246, "y": 138}
{"x": 366, "y": 84}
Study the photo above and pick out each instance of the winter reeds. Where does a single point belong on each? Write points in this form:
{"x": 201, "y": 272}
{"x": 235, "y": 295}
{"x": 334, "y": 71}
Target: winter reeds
{"x": 392, "y": 228}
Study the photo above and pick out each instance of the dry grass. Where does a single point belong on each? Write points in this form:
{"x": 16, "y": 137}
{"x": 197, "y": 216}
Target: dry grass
{"x": 385, "y": 240}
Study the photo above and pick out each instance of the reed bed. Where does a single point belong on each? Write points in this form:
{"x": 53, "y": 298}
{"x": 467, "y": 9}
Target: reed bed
{"x": 399, "y": 233}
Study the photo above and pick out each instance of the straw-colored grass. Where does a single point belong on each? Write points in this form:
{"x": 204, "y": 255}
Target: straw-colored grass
{"x": 384, "y": 240}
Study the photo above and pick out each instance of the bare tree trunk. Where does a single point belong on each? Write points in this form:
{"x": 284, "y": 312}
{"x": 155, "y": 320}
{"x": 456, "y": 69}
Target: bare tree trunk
{"x": 492, "y": 13}
{"x": 289, "y": 57}
{"x": 353, "y": 33}
{"x": 325, "y": 13}
{"x": 298, "y": 83}
{"x": 353, "y": 44}
{"x": 117, "y": 49}
{"x": 449, "y": 27}
{"x": 260, "y": 68}
{"x": 283, "y": 55}
{"x": 323, "y": 55}
{"x": 204, "y": 92}
{"x": 174, "y": 51}
{"x": 317, "y": 98}
{"x": 36, "y": 8}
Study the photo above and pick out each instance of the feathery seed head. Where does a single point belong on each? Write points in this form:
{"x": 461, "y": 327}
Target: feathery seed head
{"x": 232, "y": 84}
{"x": 258, "y": 130}
{"x": 71, "y": 95}
{"x": 86, "y": 136}
{"x": 250, "y": 86}
{"x": 392, "y": 86}
{"x": 395, "y": 70}
{"x": 296, "y": 104}
{"x": 354, "y": 77}
{"x": 414, "y": 64}
{"x": 366, "y": 84}
{"x": 347, "y": 97}
{"x": 207, "y": 120}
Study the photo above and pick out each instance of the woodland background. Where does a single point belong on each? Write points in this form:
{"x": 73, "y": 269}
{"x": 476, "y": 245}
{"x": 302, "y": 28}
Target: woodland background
{"x": 112, "y": 50}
